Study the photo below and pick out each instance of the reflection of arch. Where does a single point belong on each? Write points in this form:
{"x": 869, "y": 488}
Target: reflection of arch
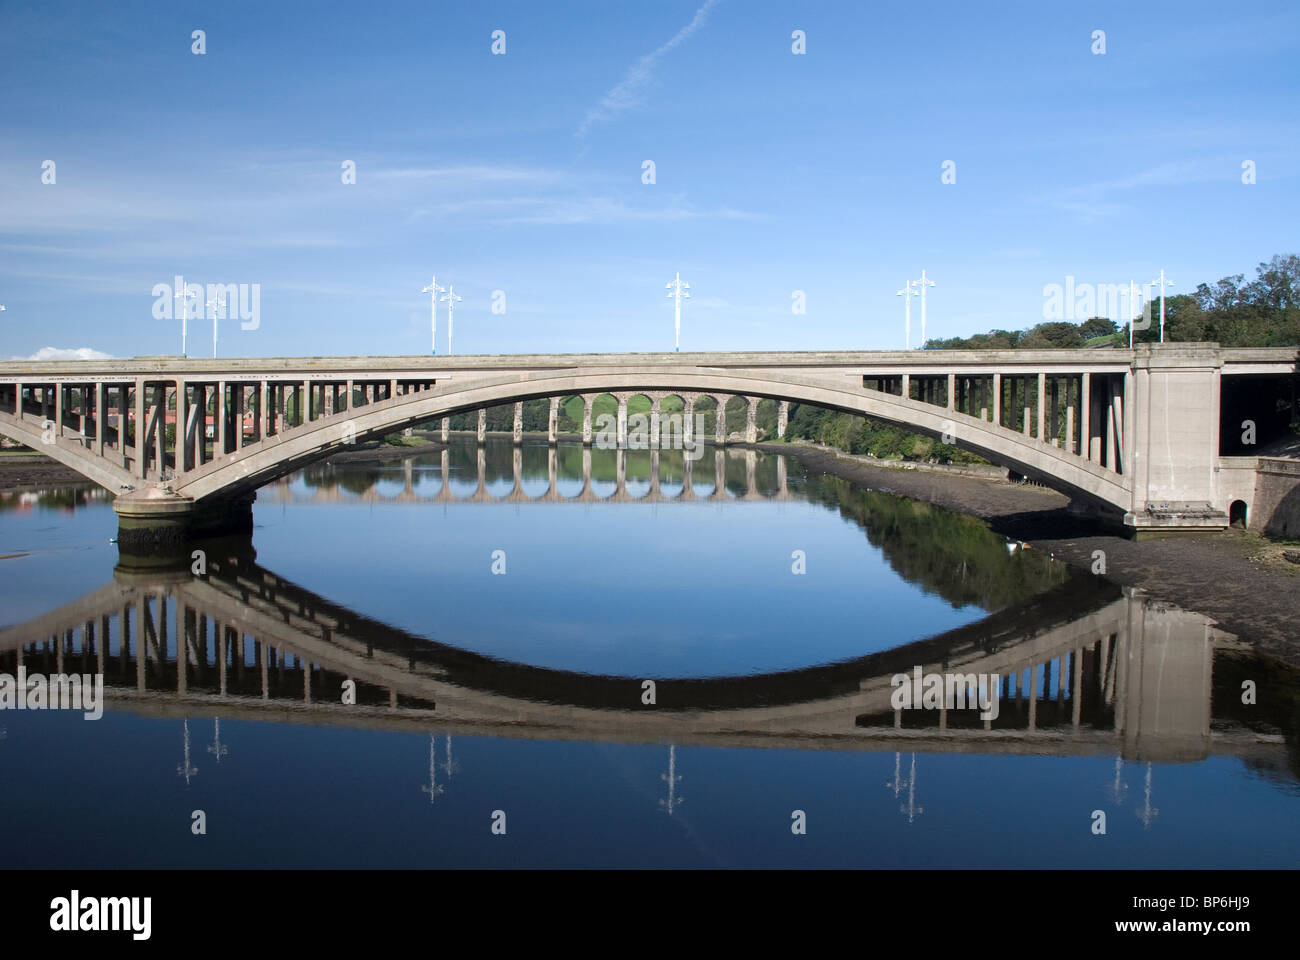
{"x": 1106, "y": 673}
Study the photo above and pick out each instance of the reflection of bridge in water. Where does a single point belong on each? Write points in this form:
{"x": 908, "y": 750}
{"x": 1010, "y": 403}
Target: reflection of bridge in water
{"x": 709, "y": 472}
{"x": 1082, "y": 671}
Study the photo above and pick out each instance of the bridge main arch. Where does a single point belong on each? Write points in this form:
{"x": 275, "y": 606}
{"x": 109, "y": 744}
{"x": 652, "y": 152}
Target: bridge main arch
{"x": 245, "y": 469}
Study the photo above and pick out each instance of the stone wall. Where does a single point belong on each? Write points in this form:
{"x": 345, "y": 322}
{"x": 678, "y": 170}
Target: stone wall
{"x": 1277, "y": 498}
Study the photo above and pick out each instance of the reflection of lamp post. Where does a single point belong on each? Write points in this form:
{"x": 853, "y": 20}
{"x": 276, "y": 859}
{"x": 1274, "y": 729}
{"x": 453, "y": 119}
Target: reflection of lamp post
{"x": 450, "y": 766}
{"x": 897, "y": 782}
{"x": 187, "y": 769}
{"x": 1148, "y": 812}
{"x": 911, "y": 809}
{"x": 218, "y": 749}
{"x": 433, "y": 789}
{"x": 672, "y": 776}
{"x": 1119, "y": 788}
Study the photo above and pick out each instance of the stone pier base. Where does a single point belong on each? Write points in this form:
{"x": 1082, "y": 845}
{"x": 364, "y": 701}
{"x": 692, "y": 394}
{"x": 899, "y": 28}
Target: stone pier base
{"x": 163, "y": 524}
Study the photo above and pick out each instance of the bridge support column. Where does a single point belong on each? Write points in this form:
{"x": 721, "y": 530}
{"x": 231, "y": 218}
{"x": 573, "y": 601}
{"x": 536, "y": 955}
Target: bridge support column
{"x": 101, "y": 421}
{"x": 517, "y": 433}
{"x": 751, "y": 419}
{"x": 1108, "y": 411}
{"x": 1086, "y": 418}
{"x": 482, "y": 425}
{"x": 622, "y": 419}
{"x": 220, "y": 410}
{"x": 688, "y": 422}
{"x": 997, "y": 399}
{"x": 720, "y": 428}
{"x": 184, "y": 454}
{"x": 159, "y": 421}
{"x": 586, "y": 419}
{"x": 1042, "y": 407}
{"x": 1054, "y": 423}
{"x": 444, "y": 429}
{"x": 655, "y": 402}
{"x": 782, "y": 418}
{"x": 553, "y": 420}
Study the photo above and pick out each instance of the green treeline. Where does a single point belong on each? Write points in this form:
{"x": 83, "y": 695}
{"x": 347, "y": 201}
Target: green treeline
{"x": 1262, "y": 313}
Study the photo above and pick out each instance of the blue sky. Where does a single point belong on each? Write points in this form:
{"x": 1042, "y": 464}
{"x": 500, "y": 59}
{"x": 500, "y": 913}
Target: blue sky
{"x": 522, "y": 172}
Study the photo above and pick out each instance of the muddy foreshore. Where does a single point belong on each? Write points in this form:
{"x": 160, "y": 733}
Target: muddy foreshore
{"x": 1237, "y": 578}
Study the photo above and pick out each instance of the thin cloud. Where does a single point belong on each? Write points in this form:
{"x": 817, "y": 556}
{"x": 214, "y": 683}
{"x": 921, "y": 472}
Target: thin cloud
{"x": 66, "y": 353}
{"x": 630, "y": 91}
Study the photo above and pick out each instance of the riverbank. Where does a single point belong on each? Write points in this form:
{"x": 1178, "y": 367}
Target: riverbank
{"x": 35, "y": 471}
{"x": 1236, "y": 577}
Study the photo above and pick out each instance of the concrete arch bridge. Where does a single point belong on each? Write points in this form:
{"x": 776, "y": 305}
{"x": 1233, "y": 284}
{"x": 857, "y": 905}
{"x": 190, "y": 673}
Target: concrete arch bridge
{"x": 184, "y": 444}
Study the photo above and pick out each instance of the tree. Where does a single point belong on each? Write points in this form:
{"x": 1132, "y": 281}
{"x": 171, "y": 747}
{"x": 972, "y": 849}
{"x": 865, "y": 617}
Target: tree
{"x": 1055, "y": 335}
{"x": 1095, "y": 327}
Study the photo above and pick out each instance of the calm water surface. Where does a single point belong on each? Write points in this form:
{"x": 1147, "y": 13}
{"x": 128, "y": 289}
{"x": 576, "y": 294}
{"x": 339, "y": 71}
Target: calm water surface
{"x": 500, "y": 612}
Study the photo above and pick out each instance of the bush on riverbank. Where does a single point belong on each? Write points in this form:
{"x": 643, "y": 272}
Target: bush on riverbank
{"x": 858, "y": 435}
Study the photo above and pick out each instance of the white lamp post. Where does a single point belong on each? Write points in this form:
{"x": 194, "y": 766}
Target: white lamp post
{"x": 676, "y": 294}
{"x": 183, "y": 308}
{"x": 907, "y": 293}
{"x": 450, "y": 299}
{"x": 433, "y": 290}
{"x": 217, "y": 303}
{"x": 1160, "y": 283}
{"x": 923, "y": 283}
